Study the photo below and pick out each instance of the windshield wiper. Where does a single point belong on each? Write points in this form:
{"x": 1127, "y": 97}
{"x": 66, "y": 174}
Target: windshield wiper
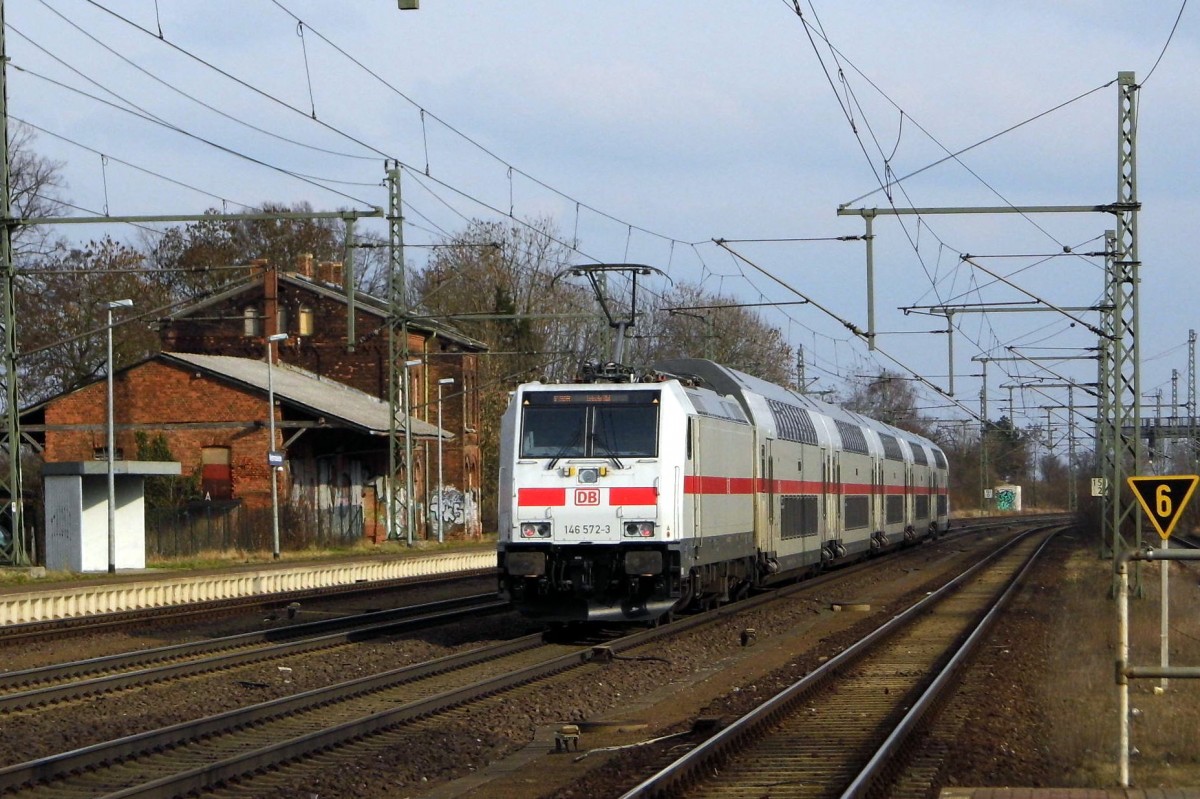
{"x": 612, "y": 456}
{"x": 563, "y": 451}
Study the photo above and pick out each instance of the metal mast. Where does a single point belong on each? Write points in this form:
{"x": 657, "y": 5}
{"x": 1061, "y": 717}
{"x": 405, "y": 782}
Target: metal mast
{"x": 1193, "y": 441}
{"x": 1123, "y": 384}
{"x": 399, "y": 440}
{"x": 16, "y": 553}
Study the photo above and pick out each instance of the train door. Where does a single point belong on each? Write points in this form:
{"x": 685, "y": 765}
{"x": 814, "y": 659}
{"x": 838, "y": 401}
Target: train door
{"x": 833, "y": 499}
{"x": 768, "y": 517}
{"x": 878, "y": 520}
{"x": 910, "y": 509}
{"x": 694, "y": 473}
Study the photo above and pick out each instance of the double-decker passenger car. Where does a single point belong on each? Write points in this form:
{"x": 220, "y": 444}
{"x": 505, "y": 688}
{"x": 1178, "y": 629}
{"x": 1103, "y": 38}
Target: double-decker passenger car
{"x": 628, "y": 499}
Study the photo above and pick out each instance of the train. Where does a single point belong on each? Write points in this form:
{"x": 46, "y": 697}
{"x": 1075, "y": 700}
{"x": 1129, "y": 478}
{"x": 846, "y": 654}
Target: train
{"x": 629, "y": 496}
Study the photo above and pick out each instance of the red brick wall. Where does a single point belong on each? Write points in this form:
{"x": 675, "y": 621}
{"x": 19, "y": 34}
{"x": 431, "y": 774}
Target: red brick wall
{"x": 153, "y": 393}
{"x": 219, "y": 330}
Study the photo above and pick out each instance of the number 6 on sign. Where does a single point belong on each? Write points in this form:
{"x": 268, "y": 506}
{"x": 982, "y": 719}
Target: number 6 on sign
{"x": 1162, "y": 502}
{"x": 1164, "y": 498}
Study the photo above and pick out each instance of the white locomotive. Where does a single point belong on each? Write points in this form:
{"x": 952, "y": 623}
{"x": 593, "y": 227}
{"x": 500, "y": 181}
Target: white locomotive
{"x": 623, "y": 500}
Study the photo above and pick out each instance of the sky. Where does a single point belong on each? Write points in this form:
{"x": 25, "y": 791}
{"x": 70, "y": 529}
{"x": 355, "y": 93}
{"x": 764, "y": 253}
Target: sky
{"x": 646, "y": 130}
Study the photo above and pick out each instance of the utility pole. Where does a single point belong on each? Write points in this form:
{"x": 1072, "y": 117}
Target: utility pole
{"x": 17, "y": 554}
{"x": 983, "y": 436}
{"x": 400, "y": 440}
{"x": 1119, "y": 365}
{"x": 1193, "y": 440}
{"x": 1124, "y": 381}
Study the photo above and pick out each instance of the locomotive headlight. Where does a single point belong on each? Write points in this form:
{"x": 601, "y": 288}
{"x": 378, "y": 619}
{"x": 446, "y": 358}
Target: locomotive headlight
{"x": 588, "y": 475}
{"x": 535, "y": 529}
{"x": 639, "y": 529}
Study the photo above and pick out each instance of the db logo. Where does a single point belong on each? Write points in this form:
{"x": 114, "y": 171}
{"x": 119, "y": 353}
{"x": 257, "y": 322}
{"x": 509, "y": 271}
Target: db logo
{"x": 587, "y": 496}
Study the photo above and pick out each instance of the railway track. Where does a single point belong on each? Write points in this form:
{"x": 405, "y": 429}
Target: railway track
{"x": 198, "y": 755}
{"x": 89, "y": 678}
{"x": 842, "y": 730}
{"x": 223, "y": 749}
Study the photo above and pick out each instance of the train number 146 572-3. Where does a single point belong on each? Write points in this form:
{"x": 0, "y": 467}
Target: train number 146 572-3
{"x": 588, "y": 529}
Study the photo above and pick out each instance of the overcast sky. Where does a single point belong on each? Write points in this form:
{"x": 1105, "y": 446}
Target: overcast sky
{"x": 647, "y": 129}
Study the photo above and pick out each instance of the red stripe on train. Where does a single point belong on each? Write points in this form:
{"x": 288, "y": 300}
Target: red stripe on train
{"x": 632, "y": 496}
{"x": 696, "y": 484}
{"x": 542, "y": 496}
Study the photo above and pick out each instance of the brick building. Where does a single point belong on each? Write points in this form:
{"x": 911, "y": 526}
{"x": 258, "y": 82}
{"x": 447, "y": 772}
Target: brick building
{"x": 206, "y": 395}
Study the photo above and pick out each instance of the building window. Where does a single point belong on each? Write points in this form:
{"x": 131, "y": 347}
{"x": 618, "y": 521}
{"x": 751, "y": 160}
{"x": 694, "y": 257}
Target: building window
{"x": 250, "y": 322}
{"x": 281, "y": 319}
{"x": 306, "y": 320}
{"x": 216, "y": 474}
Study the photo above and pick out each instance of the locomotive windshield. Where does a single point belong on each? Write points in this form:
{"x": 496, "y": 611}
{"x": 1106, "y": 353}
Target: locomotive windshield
{"x": 584, "y": 424}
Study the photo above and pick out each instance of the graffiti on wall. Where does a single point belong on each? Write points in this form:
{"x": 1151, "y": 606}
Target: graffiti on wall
{"x": 456, "y": 509}
{"x": 448, "y": 507}
{"x": 330, "y": 491}
{"x": 1008, "y": 498}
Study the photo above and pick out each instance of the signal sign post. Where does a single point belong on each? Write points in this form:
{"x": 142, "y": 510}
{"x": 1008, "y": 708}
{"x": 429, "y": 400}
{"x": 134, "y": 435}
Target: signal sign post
{"x": 1164, "y": 498}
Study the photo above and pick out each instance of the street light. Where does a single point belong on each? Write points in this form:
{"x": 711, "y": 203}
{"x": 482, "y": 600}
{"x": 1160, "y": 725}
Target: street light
{"x": 445, "y": 381}
{"x": 112, "y": 491}
{"x": 274, "y": 459}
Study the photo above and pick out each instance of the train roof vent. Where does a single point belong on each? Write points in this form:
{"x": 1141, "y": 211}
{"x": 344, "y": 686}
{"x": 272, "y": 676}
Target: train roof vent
{"x": 724, "y": 409}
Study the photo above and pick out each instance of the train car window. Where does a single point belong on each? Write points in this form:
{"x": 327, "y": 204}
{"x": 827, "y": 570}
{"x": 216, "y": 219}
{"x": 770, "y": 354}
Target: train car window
{"x": 724, "y": 409}
{"x": 797, "y": 516}
{"x": 793, "y": 423}
{"x": 857, "y": 512}
{"x": 918, "y": 453}
{"x": 942, "y": 505}
{"x": 580, "y": 424}
{"x": 922, "y": 507}
{"x": 853, "y": 439}
{"x": 893, "y": 509}
{"x": 625, "y": 431}
{"x": 891, "y": 447}
{"x": 939, "y": 459}
{"x": 553, "y": 431}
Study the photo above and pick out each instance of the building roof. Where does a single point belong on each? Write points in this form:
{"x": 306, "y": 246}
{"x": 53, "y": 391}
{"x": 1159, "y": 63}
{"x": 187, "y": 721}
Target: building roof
{"x": 368, "y": 303}
{"x": 304, "y": 389}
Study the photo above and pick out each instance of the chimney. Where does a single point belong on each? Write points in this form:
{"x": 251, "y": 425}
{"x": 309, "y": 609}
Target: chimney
{"x": 330, "y": 272}
{"x": 270, "y": 302}
{"x": 304, "y": 264}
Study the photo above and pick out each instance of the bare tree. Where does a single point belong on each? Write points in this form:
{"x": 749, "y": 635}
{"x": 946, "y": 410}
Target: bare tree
{"x": 36, "y": 186}
{"x": 200, "y": 256}
{"x": 689, "y": 322}
{"x": 62, "y": 316}
{"x": 888, "y": 397}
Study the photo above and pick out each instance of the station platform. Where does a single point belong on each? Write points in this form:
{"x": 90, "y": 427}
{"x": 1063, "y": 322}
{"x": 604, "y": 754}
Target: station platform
{"x": 140, "y": 589}
{"x": 1069, "y": 793}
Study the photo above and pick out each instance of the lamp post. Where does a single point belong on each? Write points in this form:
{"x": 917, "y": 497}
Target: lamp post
{"x": 408, "y": 472}
{"x": 445, "y": 381}
{"x": 274, "y": 459}
{"x": 112, "y": 489}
